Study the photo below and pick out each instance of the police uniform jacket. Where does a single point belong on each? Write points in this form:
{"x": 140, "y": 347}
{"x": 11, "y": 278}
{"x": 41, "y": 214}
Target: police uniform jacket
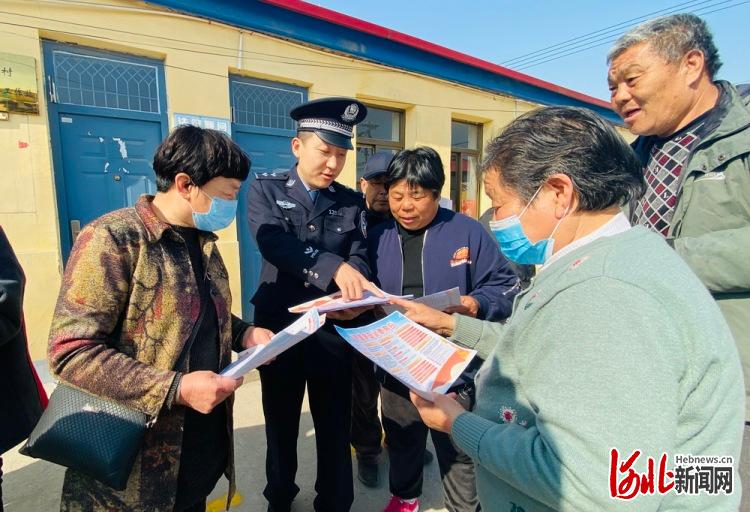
{"x": 302, "y": 244}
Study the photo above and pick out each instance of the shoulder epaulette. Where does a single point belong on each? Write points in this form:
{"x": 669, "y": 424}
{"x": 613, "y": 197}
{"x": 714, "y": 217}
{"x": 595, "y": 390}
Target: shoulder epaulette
{"x": 281, "y": 175}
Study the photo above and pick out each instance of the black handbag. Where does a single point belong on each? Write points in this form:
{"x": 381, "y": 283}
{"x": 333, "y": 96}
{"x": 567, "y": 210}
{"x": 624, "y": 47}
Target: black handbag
{"x": 98, "y": 437}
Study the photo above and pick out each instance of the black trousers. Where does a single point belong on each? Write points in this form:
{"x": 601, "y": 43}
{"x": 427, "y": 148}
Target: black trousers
{"x": 198, "y": 507}
{"x": 407, "y": 439}
{"x": 366, "y": 429}
{"x": 321, "y": 362}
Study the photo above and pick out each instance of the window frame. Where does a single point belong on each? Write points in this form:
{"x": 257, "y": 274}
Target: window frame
{"x": 383, "y": 144}
{"x": 399, "y": 144}
{"x": 460, "y": 153}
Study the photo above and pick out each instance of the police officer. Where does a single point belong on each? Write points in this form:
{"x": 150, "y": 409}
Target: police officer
{"x": 309, "y": 230}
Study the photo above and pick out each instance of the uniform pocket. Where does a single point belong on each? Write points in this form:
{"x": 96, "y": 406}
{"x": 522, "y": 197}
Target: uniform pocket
{"x": 293, "y": 220}
{"x": 339, "y": 225}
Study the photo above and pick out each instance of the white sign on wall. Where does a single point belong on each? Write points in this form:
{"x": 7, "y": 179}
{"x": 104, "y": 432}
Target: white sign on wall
{"x": 210, "y": 123}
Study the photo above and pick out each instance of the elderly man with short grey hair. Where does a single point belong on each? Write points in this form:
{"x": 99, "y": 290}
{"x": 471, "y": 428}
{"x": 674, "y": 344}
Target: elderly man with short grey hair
{"x": 694, "y": 144}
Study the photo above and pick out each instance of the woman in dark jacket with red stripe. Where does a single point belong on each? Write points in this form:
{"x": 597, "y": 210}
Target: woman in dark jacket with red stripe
{"x": 22, "y": 397}
{"x": 423, "y": 250}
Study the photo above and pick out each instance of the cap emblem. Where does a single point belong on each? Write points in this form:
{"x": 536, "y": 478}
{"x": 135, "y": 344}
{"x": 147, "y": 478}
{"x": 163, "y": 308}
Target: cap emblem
{"x": 350, "y": 114}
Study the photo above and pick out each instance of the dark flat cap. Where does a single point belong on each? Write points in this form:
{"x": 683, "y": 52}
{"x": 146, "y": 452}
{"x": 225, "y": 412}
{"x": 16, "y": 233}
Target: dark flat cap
{"x": 331, "y": 119}
{"x": 377, "y": 165}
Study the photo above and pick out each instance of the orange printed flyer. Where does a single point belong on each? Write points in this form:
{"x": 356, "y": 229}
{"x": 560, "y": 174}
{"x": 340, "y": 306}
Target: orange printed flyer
{"x": 334, "y": 302}
{"x": 422, "y": 360}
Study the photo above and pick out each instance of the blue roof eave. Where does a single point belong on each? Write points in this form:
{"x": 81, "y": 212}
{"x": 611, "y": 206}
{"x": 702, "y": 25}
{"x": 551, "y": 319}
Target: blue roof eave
{"x": 276, "y": 21}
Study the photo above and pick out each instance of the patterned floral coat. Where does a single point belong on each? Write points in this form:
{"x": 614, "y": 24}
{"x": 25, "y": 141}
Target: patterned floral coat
{"x": 127, "y": 305}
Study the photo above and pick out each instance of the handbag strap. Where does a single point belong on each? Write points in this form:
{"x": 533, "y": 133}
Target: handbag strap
{"x": 194, "y": 333}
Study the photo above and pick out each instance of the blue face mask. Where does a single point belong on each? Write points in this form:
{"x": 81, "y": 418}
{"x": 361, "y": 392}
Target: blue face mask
{"x": 514, "y": 243}
{"x": 219, "y": 215}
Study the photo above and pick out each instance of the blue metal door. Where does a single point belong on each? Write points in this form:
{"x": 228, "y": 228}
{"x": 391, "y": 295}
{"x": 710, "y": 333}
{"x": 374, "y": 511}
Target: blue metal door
{"x": 107, "y": 164}
{"x": 262, "y": 127}
{"x": 107, "y": 115}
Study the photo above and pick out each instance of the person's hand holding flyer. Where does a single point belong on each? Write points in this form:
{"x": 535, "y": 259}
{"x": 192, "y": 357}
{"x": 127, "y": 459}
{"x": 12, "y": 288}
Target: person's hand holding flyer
{"x": 257, "y": 355}
{"x": 441, "y": 301}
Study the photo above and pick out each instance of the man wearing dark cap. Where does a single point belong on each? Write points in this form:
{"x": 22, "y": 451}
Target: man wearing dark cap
{"x": 310, "y": 232}
{"x": 372, "y": 185}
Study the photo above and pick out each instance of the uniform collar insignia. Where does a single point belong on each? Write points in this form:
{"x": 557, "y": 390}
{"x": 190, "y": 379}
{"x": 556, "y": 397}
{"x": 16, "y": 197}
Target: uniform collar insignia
{"x": 286, "y": 205}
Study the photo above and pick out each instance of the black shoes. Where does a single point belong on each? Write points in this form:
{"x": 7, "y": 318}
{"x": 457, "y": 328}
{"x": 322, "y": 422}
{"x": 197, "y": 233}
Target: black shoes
{"x": 367, "y": 471}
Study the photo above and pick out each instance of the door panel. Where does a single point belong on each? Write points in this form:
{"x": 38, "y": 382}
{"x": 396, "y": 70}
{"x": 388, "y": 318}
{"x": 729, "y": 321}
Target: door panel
{"x": 269, "y": 153}
{"x": 106, "y": 163}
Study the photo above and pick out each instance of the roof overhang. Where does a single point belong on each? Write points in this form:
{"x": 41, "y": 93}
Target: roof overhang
{"x": 314, "y": 25}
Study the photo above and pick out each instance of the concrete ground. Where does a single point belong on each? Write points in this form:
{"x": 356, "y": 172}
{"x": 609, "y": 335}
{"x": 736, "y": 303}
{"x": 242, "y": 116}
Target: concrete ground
{"x": 30, "y": 485}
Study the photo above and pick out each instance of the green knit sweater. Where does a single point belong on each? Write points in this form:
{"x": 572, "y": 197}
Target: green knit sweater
{"x": 615, "y": 345}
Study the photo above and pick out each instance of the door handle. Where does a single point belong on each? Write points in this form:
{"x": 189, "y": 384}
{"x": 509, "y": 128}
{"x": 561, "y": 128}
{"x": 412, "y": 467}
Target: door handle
{"x": 75, "y": 228}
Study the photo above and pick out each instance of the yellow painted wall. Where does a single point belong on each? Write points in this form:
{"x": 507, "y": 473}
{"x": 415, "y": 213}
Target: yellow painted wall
{"x": 28, "y": 211}
{"x": 198, "y": 56}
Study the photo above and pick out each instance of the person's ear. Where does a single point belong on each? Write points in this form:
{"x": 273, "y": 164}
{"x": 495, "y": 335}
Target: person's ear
{"x": 564, "y": 193}
{"x": 693, "y": 66}
{"x": 183, "y": 184}
{"x": 296, "y": 146}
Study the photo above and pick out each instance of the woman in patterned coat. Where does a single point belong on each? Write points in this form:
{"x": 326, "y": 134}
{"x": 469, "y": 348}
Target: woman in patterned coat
{"x": 131, "y": 297}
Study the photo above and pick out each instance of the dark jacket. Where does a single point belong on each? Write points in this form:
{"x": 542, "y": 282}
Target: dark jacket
{"x": 302, "y": 243}
{"x": 457, "y": 251}
{"x": 22, "y": 399}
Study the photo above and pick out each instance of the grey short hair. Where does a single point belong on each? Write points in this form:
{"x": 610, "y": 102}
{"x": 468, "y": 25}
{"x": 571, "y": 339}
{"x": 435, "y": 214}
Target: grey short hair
{"x": 672, "y": 37}
{"x": 573, "y": 141}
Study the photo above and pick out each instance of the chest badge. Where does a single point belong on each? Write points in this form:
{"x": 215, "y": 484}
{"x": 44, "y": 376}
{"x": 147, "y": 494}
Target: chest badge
{"x": 460, "y": 257}
{"x": 507, "y": 414}
{"x": 286, "y": 205}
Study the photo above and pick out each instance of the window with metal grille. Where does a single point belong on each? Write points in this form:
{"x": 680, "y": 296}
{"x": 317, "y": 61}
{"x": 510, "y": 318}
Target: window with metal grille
{"x": 105, "y": 82}
{"x": 264, "y": 106}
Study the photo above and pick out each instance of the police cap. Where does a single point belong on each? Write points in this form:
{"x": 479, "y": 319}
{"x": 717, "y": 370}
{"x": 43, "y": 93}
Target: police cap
{"x": 331, "y": 119}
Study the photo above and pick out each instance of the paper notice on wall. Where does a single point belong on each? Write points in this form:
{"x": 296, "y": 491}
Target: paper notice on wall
{"x": 416, "y": 356}
{"x": 253, "y": 357}
{"x": 334, "y": 302}
{"x": 440, "y": 301}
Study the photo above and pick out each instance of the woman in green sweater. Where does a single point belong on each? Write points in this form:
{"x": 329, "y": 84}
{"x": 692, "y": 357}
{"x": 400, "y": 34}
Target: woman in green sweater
{"x": 614, "y": 361}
